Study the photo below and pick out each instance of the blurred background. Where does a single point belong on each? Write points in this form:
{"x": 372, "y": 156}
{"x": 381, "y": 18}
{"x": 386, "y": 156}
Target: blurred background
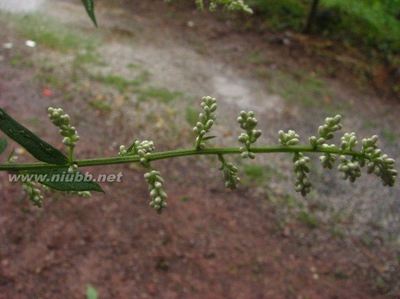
{"x": 141, "y": 74}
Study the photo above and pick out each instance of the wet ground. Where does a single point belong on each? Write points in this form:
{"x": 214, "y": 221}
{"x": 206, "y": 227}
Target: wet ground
{"x": 141, "y": 75}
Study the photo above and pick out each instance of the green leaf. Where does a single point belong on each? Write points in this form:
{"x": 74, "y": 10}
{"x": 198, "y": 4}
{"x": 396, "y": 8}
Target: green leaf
{"x": 38, "y": 148}
{"x": 89, "y": 6}
{"x": 208, "y": 137}
{"x": 3, "y": 145}
{"x": 91, "y": 293}
{"x": 62, "y": 180}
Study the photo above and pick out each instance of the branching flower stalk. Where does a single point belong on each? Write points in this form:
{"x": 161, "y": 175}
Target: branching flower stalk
{"x": 62, "y": 121}
{"x": 206, "y": 121}
{"x": 54, "y": 162}
{"x": 139, "y": 148}
{"x": 34, "y": 193}
{"x": 230, "y": 173}
{"x": 143, "y": 149}
{"x": 156, "y": 187}
{"x": 248, "y": 122}
{"x": 351, "y": 160}
{"x": 300, "y": 162}
{"x": 351, "y": 168}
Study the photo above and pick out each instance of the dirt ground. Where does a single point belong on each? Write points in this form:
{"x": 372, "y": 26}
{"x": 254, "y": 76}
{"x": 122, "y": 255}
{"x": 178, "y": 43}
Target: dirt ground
{"x": 142, "y": 79}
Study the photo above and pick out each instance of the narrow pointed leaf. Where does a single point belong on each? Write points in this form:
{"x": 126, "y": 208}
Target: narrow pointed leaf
{"x": 130, "y": 148}
{"x": 38, "y": 148}
{"x": 89, "y": 6}
{"x": 208, "y": 137}
{"x": 3, "y": 145}
{"x": 62, "y": 180}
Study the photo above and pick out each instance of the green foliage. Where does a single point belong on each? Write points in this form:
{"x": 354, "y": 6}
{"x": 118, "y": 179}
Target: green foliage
{"x": 89, "y": 6}
{"x": 191, "y": 116}
{"x": 3, "y": 145}
{"x": 20, "y": 61}
{"x": 91, "y": 293}
{"x": 122, "y": 84}
{"x": 308, "y": 219}
{"x": 159, "y": 94}
{"x": 47, "y": 77}
{"x": 50, "y": 33}
{"x": 144, "y": 93}
{"x": 282, "y": 14}
{"x": 390, "y": 136}
{"x": 254, "y": 172}
{"x": 86, "y": 56}
{"x": 116, "y": 81}
{"x": 38, "y": 148}
{"x": 184, "y": 198}
{"x": 300, "y": 88}
{"x": 101, "y": 105}
{"x": 370, "y": 22}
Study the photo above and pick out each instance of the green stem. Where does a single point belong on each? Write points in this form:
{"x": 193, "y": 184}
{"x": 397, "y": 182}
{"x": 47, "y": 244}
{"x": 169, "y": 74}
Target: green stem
{"x": 179, "y": 153}
{"x": 198, "y": 143}
{"x": 71, "y": 154}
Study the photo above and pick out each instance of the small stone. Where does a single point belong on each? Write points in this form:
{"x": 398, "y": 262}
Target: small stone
{"x": 30, "y": 43}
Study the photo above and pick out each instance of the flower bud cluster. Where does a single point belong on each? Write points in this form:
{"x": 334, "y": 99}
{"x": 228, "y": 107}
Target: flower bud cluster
{"x": 141, "y": 148}
{"x": 326, "y": 131}
{"x": 248, "y": 123}
{"x": 351, "y": 168}
{"x": 378, "y": 163}
{"x": 157, "y": 193}
{"x": 288, "y": 139}
{"x": 62, "y": 121}
{"x": 348, "y": 141}
{"x": 84, "y": 194}
{"x": 206, "y": 121}
{"x": 73, "y": 168}
{"x": 230, "y": 173}
{"x": 301, "y": 170}
{"x": 328, "y": 159}
{"x": 34, "y": 193}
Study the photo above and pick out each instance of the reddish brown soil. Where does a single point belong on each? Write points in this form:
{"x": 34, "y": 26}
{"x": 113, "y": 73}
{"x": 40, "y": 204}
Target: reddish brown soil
{"x": 217, "y": 244}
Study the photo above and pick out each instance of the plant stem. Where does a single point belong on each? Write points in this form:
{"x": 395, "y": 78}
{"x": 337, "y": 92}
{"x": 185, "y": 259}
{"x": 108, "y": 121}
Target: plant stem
{"x": 177, "y": 153}
{"x": 71, "y": 154}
